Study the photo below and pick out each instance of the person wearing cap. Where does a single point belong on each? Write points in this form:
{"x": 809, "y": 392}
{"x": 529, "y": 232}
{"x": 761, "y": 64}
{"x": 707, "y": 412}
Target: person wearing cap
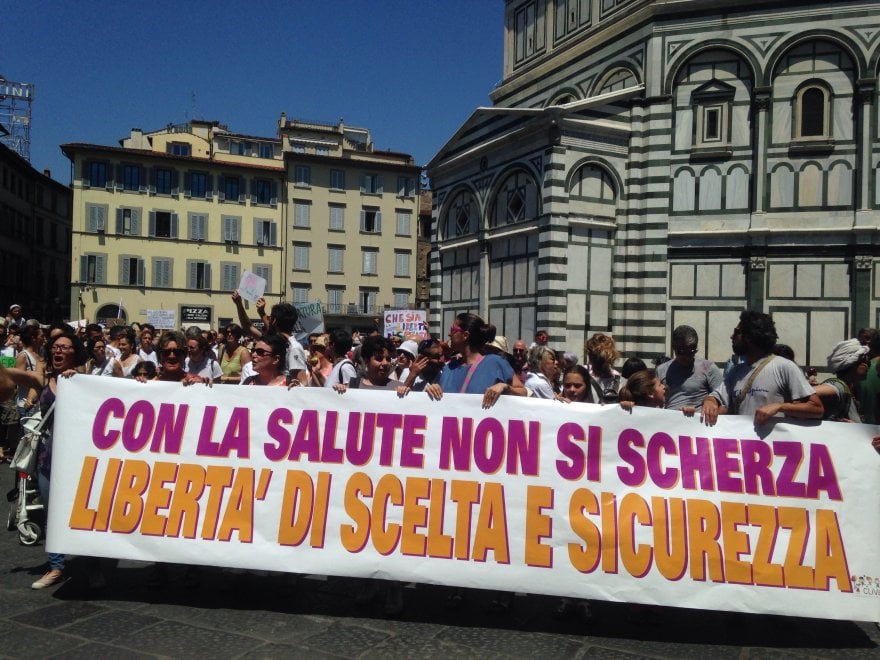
{"x": 15, "y": 317}
{"x": 840, "y": 394}
{"x": 406, "y": 353}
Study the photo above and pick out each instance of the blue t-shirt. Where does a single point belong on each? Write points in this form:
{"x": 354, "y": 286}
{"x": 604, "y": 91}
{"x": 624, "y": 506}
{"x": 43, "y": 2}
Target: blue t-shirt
{"x": 490, "y": 370}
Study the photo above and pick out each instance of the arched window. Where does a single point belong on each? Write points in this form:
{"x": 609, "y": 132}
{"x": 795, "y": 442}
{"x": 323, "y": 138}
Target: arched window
{"x": 461, "y": 218}
{"x": 515, "y": 201}
{"x": 812, "y": 112}
{"x": 109, "y": 312}
{"x": 563, "y": 98}
{"x": 616, "y": 80}
{"x": 593, "y": 183}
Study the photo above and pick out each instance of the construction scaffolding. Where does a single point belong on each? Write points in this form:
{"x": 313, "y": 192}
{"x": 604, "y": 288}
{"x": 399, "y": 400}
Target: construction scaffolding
{"x": 15, "y": 116}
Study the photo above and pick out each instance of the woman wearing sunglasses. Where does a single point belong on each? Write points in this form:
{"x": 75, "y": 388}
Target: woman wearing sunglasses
{"x": 269, "y": 361}
{"x": 100, "y": 363}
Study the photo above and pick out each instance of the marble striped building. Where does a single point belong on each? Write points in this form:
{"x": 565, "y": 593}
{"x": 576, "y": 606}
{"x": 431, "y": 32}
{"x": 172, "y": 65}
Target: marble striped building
{"x": 647, "y": 163}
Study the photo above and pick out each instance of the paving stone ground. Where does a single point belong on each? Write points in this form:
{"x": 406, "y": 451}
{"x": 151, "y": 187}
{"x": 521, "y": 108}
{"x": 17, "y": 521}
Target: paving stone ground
{"x": 261, "y": 615}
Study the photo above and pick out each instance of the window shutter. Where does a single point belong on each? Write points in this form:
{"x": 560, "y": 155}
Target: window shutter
{"x": 135, "y": 222}
{"x": 363, "y": 220}
{"x": 100, "y": 269}
{"x": 258, "y": 231}
{"x": 174, "y": 225}
{"x": 236, "y": 230}
{"x": 207, "y": 276}
{"x": 193, "y": 274}
{"x": 124, "y": 270}
{"x": 140, "y": 272}
{"x": 152, "y": 224}
{"x": 209, "y": 186}
{"x": 273, "y": 234}
{"x": 83, "y": 269}
{"x": 378, "y": 228}
{"x": 118, "y": 221}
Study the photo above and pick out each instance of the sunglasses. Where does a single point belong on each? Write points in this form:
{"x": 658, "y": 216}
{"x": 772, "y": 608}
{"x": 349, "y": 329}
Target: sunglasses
{"x": 168, "y": 352}
{"x": 261, "y": 352}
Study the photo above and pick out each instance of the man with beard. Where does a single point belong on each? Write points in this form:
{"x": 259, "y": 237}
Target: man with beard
{"x": 688, "y": 379}
{"x": 764, "y": 384}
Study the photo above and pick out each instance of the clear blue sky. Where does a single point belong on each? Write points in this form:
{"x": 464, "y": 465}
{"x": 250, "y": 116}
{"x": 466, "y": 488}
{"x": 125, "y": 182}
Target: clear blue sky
{"x": 409, "y": 70}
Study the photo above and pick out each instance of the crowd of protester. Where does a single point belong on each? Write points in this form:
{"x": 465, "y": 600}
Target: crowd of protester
{"x": 761, "y": 379}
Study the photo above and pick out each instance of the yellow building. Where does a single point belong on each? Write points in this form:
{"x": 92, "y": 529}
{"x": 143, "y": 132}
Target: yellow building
{"x": 165, "y": 225}
{"x": 352, "y": 218}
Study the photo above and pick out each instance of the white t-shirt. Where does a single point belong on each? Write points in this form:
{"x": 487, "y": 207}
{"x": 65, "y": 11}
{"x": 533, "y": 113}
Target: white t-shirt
{"x": 208, "y": 367}
{"x": 779, "y": 381}
{"x": 296, "y": 356}
{"x": 539, "y": 386}
{"x": 343, "y": 371}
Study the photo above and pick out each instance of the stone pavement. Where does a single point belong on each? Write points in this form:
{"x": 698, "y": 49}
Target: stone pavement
{"x": 254, "y": 615}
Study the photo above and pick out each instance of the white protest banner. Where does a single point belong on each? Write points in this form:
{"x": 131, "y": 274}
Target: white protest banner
{"x": 252, "y": 286}
{"x": 311, "y": 319}
{"x": 162, "y": 319}
{"x": 531, "y": 495}
{"x": 406, "y": 322}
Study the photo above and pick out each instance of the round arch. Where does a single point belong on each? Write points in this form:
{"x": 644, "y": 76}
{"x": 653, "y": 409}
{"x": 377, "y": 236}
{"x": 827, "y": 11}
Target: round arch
{"x": 449, "y": 204}
{"x": 843, "y": 42}
{"x": 598, "y": 162}
{"x": 111, "y": 311}
{"x": 563, "y": 95}
{"x": 688, "y": 54}
{"x": 519, "y": 201}
{"x": 615, "y": 69}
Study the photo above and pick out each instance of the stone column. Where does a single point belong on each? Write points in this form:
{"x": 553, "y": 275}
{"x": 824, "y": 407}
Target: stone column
{"x": 862, "y": 268}
{"x": 757, "y": 276}
{"x": 865, "y": 91}
{"x": 760, "y": 104}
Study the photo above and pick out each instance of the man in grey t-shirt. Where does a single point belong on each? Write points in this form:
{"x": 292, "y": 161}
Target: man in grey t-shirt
{"x": 688, "y": 379}
{"x": 765, "y": 385}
